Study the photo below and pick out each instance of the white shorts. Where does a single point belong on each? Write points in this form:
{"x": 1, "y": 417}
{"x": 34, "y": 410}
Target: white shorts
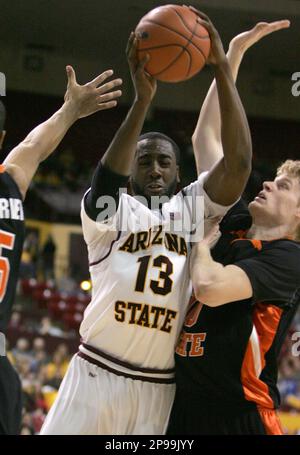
{"x": 95, "y": 400}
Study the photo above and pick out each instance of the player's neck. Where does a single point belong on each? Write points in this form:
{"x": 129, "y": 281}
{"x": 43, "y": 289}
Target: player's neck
{"x": 267, "y": 232}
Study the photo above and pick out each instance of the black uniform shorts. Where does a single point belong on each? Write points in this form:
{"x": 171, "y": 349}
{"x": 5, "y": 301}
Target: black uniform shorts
{"x": 198, "y": 417}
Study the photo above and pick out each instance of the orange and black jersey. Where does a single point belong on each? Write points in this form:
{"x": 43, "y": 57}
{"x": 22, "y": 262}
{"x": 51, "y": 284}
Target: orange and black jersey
{"x": 227, "y": 355}
{"x": 11, "y": 242}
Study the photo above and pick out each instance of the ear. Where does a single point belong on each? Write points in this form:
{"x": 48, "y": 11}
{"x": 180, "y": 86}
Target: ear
{"x": 177, "y": 174}
{"x": 2, "y": 136}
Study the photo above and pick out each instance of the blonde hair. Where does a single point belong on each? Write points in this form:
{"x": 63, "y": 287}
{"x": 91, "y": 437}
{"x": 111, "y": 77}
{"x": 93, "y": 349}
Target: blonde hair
{"x": 292, "y": 169}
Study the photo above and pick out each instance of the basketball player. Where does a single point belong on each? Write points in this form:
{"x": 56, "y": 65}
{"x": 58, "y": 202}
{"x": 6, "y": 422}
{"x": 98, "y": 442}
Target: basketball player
{"x": 122, "y": 379}
{"x": 248, "y": 290}
{"x": 16, "y": 174}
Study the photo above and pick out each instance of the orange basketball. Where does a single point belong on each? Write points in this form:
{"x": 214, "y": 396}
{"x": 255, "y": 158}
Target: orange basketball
{"x": 177, "y": 44}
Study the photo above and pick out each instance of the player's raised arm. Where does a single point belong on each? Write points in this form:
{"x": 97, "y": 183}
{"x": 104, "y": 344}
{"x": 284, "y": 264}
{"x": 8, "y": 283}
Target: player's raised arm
{"x": 213, "y": 283}
{"x": 120, "y": 154}
{"x": 115, "y": 166}
{"x": 227, "y": 180}
{"x": 206, "y": 139}
{"x": 80, "y": 101}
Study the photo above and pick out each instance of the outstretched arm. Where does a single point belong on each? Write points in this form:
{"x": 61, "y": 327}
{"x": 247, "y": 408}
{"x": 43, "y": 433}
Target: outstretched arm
{"x": 115, "y": 166}
{"x": 213, "y": 283}
{"x": 207, "y": 135}
{"x": 80, "y": 101}
{"x": 120, "y": 154}
{"x": 227, "y": 179}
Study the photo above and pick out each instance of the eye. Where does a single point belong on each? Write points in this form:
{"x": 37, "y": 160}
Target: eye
{"x": 284, "y": 185}
{"x": 144, "y": 162}
{"x": 165, "y": 163}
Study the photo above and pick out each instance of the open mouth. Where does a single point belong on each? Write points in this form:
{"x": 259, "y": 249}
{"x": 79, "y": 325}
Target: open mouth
{"x": 154, "y": 187}
{"x": 261, "y": 196}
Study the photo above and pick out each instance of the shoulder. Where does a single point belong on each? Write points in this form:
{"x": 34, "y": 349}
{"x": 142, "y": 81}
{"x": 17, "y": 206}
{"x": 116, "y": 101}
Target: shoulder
{"x": 284, "y": 248}
{"x": 237, "y": 218}
{"x": 280, "y": 257}
{"x": 17, "y": 174}
{"x": 197, "y": 193}
{"x": 195, "y": 186}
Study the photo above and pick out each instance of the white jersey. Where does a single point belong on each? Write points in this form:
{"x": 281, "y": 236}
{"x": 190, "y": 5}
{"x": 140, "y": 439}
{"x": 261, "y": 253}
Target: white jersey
{"x": 140, "y": 280}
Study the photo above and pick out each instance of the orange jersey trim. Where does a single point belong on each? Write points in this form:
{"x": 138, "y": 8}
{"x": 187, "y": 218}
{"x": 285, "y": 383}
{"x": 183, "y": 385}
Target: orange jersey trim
{"x": 256, "y": 244}
{"x": 241, "y": 235}
{"x": 270, "y": 421}
{"x": 266, "y": 319}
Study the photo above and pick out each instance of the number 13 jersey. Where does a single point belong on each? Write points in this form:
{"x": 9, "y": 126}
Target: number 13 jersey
{"x": 140, "y": 276}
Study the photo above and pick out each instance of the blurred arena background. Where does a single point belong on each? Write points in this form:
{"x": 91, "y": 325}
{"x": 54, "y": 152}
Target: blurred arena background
{"x": 38, "y": 39}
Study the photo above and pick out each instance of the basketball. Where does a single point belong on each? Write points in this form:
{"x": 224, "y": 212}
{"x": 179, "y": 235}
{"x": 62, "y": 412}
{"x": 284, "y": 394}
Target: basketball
{"x": 177, "y": 43}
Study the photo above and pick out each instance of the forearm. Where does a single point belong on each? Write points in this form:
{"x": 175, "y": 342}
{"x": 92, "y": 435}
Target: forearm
{"x": 235, "y": 133}
{"x": 44, "y": 139}
{"x": 235, "y": 56}
{"x": 205, "y": 272}
{"x": 212, "y": 282}
{"x": 114, "y": 168}
{"x": 23, "y": 161}
{"x": 227, "y": 179}
{"x": 206, "y": 138}
{"x": 120, "y": 154}
{"x": 215, "y": 284}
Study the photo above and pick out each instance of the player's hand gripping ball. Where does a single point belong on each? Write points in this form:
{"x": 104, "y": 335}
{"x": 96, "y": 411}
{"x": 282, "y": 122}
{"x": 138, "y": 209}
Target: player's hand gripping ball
{"x": 177, "y": 43}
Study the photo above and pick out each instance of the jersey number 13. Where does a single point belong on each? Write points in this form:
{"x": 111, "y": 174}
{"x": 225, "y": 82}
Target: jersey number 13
{"x": 164, "y": 285}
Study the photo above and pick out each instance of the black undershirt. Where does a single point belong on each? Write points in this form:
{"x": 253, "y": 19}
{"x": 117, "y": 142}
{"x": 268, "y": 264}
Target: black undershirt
{"x": 104, "y": 183}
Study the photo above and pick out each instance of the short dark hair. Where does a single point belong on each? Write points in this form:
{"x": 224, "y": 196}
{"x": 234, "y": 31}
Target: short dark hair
{"x": 2, "y": 116}
{"x": 157, "y": 135}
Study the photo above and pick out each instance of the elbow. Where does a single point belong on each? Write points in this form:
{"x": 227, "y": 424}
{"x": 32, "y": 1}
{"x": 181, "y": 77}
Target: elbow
{"x": 193, "y": 139}
{"x": 245, "y": 159}
{"x": 205, "y": 134}
{"x": 238, "y": 153}
{"x": 36, "y": 147}
{"x": 205, "y": 294}
{"x": 242, "y": 166}
{"x": 195, "y": 144}
{"x": 197, "y": 135}
{"x": 245, "y": 168}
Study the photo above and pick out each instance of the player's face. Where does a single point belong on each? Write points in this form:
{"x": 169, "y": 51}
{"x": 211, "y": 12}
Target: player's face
{"x": 155, "y": 172}
{"x": 278, "y": 204}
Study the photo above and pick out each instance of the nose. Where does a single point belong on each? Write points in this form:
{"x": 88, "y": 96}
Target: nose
{"x": 155, "y": 170}
{"x": 268, "y": 186}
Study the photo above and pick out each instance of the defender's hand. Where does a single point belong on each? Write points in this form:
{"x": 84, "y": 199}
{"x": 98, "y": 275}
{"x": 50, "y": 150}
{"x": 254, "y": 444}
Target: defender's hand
{"x": 244, "y": 40}
{"x": 93, "y": 96}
